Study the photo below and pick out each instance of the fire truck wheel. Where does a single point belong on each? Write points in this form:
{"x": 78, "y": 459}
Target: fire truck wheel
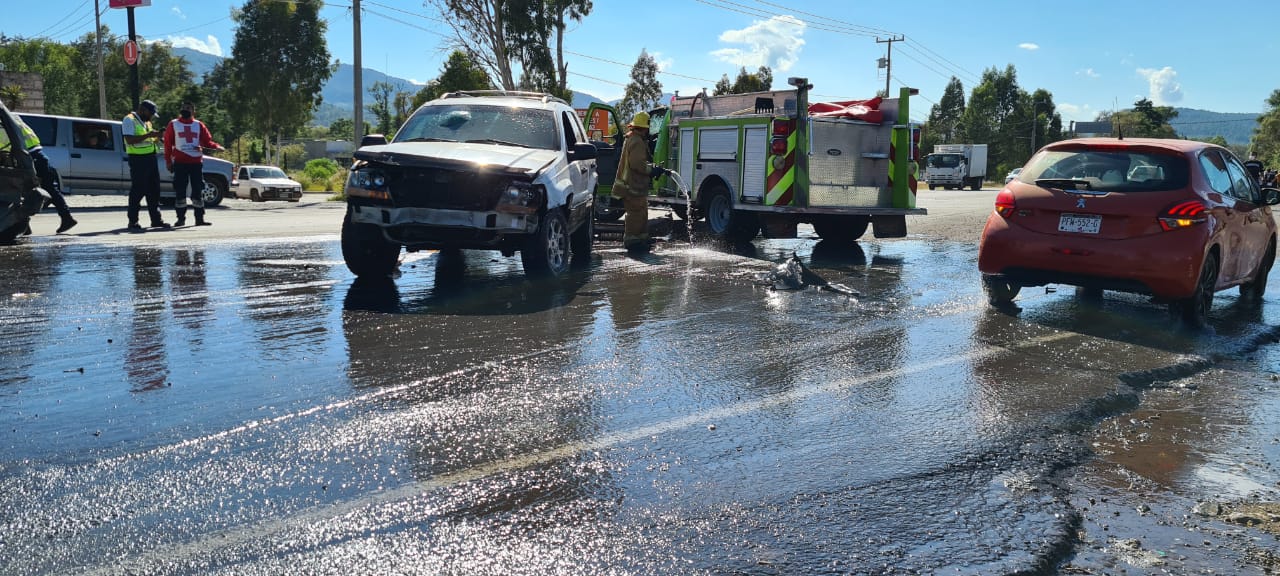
{"x": 725, "y": 222}
{"x": 841, "y": 228}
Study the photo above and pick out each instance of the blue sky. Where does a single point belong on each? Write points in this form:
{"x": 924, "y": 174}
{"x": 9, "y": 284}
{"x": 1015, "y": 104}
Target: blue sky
{"x": 1092, "y": 55}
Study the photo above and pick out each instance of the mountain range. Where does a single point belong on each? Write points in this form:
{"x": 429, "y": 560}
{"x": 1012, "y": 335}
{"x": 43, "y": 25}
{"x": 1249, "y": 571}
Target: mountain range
{"x": 339, "y": 98}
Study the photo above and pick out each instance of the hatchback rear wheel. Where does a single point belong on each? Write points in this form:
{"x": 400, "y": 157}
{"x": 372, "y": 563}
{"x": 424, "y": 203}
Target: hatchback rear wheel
{"x": 1000, "y": 292}
{"x": 1255, "y": 288}
{"x": 1194, "y": 311}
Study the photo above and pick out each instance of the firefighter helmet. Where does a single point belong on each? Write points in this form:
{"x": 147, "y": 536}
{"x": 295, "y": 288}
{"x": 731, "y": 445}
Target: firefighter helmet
{"x": 641, "y": 120}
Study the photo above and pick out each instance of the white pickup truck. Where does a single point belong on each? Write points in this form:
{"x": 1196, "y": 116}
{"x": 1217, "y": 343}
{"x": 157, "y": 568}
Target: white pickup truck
{"x": 88, "y": 155}
{"x": 262, "y": 183}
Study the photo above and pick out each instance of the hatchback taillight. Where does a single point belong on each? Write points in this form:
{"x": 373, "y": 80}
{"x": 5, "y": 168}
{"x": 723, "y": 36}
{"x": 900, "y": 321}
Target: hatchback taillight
{"x": 1005, "y": 205}
{"x": 1183, "y": 215}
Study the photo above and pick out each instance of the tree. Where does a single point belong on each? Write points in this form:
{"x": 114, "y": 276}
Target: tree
{"x": 381, "y": 108}
{"x": 459, "y": 73}
{"x": 12, "y": 96}
{"x": 723, "y": 86}
{"x": 279, "y": 63}
{"x": 999, "y": 115}
{"x": 64, "y": 78}
{"x": 945, "y": 116}
{"x": 1266, "y": 137}
{"x": 343, "y": 129}
{"x": 480, "y": 27}
{"x": 644, "y": 91}
{"x": 1144, "y": 120}
{"x": 746, "y": 82}
{"x": 561, "y": 11}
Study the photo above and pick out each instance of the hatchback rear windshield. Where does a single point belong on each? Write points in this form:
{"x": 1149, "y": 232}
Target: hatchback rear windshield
{"x": 1110, "y": 170}
{"x": 525, "y": 127}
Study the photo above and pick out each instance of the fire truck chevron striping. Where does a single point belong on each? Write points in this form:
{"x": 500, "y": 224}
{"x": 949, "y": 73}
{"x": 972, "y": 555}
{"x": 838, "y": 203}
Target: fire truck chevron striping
{"x": 781, "y": 169}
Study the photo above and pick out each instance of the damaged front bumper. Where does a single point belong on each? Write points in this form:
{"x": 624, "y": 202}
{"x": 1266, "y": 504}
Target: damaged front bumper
{"x": 436, "y": 227}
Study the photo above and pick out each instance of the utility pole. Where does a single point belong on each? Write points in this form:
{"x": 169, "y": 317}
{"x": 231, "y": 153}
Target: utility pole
{"x": 1035, "y": 119}
{"x": 888, "y": 61}
{"x": 102, "y": 81}
{"x": 358, "y": 129}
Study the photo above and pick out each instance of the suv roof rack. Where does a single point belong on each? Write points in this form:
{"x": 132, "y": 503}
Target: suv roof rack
{"x": 508, "y": 93}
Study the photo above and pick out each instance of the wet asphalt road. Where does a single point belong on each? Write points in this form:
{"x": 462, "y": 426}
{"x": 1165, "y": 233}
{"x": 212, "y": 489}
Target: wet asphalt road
{"x": 247, "y": 408}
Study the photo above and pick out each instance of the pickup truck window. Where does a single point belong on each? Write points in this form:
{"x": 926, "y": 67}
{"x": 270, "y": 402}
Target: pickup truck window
{"x": 92, "y": 136}
{"x": 525, "y": 127}
{"x": 266, "y": 172}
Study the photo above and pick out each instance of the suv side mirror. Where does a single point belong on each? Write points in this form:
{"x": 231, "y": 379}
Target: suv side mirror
{"x": 373, "y": 140}
{"x": 583, "y": 152}
{"x": 1270, "y": 196}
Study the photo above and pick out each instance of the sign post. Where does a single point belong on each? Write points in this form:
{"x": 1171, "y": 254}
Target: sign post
{"x": 131, "y": 47}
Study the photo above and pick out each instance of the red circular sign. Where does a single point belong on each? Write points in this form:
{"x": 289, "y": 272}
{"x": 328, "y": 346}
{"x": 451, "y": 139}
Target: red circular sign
{"x": 131, "y": 52}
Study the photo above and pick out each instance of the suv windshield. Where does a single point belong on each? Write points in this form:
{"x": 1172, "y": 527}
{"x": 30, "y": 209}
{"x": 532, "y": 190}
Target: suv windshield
{"x": 266, "y": 173}
{"x": 1110, "y": 170}
{"x": 943, "y": 160}
{"x": 524, "y": 127}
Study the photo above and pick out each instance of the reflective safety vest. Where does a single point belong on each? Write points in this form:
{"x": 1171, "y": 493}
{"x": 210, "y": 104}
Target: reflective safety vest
{"x": 29, "y": 139}
{"x": 140, "y": 128}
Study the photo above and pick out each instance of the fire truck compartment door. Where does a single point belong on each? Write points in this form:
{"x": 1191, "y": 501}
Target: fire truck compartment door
{"x": 756, "y": 154}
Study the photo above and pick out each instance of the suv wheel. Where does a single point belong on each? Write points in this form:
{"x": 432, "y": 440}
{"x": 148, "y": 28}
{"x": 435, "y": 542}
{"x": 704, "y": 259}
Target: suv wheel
{"x": 366, "y": 252}
{"x": 546, "y": 253}
{"x": 213, "y": 191}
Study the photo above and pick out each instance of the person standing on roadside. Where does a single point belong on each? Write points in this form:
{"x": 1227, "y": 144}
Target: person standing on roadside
{"x": 140, "y": 141}
{"x": 185, "y": 140}
{"x": 48, "y": 177}
{"x": 635, "y": 176}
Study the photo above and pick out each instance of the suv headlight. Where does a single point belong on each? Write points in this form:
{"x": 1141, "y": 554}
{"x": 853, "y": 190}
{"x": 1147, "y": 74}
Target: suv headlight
{"x": 521, "y": 198}
{"x": 368, "y": 183}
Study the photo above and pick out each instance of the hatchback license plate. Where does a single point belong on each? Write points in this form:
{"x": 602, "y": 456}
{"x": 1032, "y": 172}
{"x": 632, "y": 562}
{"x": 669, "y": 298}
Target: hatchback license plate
{"x": 1080, "y": 223}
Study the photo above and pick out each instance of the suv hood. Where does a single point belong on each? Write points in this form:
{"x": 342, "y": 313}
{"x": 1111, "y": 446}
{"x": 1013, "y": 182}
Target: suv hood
{"x": 455, "y": 155}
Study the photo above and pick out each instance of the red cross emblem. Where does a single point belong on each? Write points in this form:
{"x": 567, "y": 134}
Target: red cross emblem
{"x": 188, "y": 135}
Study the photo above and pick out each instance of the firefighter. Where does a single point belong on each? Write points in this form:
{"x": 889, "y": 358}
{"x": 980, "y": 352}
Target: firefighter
{"x": 48, "y": 177}
{"x": 635, "y": 173}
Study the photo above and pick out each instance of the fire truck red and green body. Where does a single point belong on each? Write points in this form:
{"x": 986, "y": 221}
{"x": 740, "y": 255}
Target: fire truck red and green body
{"x": 761, "y": 163}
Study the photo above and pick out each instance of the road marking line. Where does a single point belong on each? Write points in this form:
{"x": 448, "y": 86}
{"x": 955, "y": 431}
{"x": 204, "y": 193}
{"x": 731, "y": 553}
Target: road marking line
{"x": 269, "y": 527}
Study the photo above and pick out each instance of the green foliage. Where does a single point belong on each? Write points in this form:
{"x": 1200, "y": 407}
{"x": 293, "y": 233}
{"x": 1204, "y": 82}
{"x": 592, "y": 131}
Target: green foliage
{"x": 12, "y": 96}
{"x": 279, "y": 64}
{"x": 381, "y": 108}
{"x": 943, "y": 125}
{"x": 321, "y": 169}
{"x": 644, "y": 91}
{"x": 760, "y": 81}
{"x": 459, "y": 73}
{"x": 1144, "y": 120}
{"x": 292, "y": 156}
{"x": 1266, "y": 138}
{"x": 1008, "y": 119}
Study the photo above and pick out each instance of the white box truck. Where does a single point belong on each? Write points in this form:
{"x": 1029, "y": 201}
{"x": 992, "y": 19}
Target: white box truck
{"x": 956, "y": 166}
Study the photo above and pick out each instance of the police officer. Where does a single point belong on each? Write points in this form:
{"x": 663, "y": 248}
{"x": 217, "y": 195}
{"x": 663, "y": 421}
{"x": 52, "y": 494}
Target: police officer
{"x": 48, "y": 177}
{"x": 141, "y": 144}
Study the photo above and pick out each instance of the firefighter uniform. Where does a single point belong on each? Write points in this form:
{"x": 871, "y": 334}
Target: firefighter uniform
{"x": 633, "y": 182}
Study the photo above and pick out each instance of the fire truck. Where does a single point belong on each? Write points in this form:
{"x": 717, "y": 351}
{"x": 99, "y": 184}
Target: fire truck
{"x": 768, "y": 161}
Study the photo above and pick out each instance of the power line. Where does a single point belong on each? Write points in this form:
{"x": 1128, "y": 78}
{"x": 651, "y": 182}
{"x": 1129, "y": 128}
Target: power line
{"x": 871, "y": 30}
{"x": 63, "y": 21}
{"x": 963, "y": 72}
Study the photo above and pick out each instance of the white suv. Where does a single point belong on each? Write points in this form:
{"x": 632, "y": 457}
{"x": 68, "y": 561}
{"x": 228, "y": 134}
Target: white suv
{"x": 508, "y": 171}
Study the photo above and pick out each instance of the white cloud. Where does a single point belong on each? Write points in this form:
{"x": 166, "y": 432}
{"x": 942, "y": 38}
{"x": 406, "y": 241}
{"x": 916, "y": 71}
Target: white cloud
{"x": 208, "y": 46}
{"x": 664, "y": 64}
{"x": 1165, "y": 88}
{"x": 1088, "y": 72}
{"x": 1029, "y": 46}
{"x": 178, "y": 12}
{"x": 775, "y": 43}
{"x": 416, "y": 82}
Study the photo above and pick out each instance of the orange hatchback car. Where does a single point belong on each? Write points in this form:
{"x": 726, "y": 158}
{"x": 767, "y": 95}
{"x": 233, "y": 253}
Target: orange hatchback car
{"x": 1176, "y": 219}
